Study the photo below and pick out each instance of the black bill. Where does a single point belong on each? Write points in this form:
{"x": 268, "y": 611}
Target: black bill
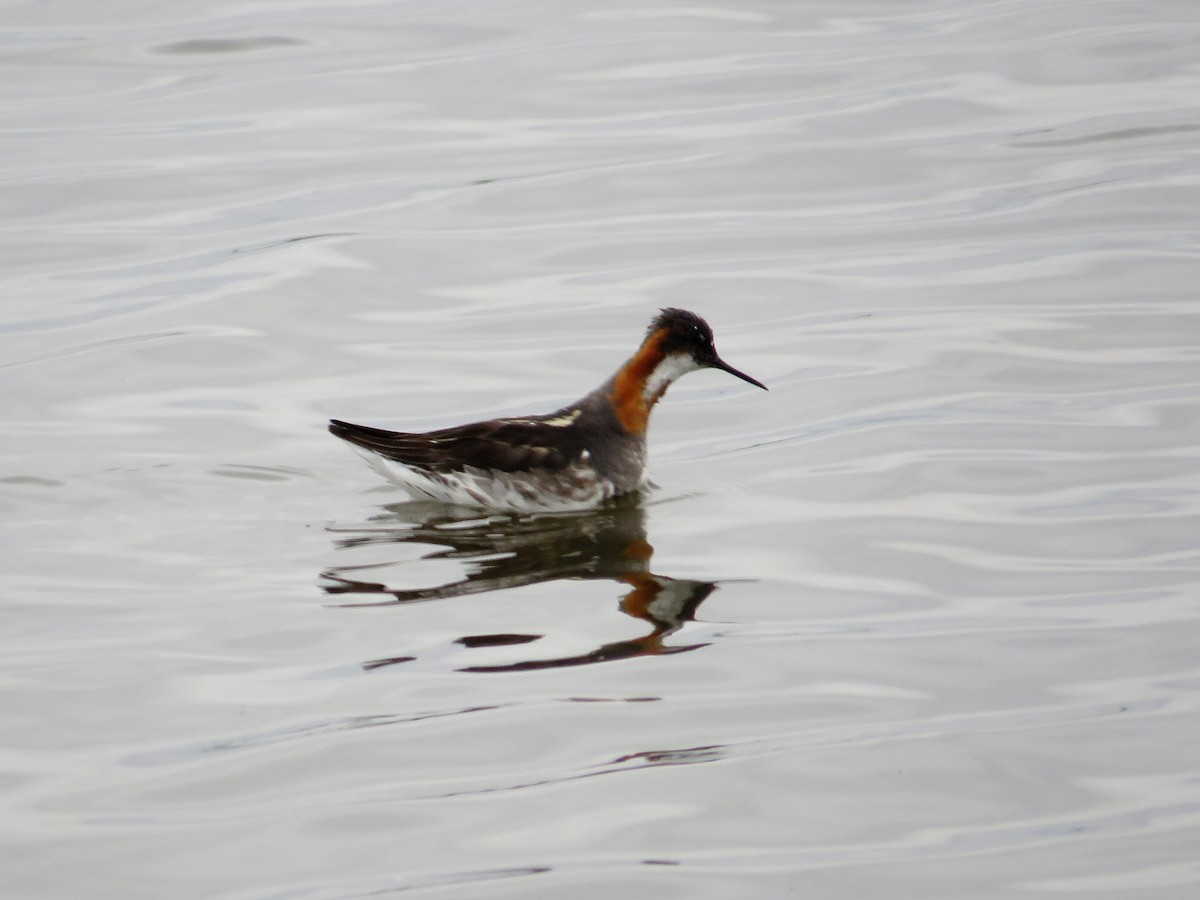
{"x": 719, "y": 363}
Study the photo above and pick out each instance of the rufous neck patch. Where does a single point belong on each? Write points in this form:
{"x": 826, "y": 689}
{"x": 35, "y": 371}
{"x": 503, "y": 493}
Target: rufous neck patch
{"x": 628, "y": 393}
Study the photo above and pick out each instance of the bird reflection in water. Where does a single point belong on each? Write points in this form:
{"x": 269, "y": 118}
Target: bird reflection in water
{"x": 506, "y": 551}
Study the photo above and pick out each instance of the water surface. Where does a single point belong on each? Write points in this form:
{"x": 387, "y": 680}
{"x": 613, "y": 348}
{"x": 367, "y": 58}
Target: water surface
{"x": 919, "y": 622}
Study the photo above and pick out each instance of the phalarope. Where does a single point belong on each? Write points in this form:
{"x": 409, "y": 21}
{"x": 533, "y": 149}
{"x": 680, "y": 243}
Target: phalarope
{"x": 573, "y": 458}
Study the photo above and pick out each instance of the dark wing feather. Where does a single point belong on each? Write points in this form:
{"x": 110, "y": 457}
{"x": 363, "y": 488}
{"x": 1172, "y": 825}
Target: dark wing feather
{"x": 504, "y": 445}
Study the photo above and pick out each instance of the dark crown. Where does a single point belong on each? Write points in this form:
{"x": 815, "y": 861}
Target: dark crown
{"x": 687, "y": 331}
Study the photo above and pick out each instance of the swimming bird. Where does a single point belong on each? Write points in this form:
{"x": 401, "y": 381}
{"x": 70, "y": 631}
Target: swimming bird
{"x": 573, "y": 458}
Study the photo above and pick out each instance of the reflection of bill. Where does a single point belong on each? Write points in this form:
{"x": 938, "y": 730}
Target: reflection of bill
{"x": 504, "y": 552}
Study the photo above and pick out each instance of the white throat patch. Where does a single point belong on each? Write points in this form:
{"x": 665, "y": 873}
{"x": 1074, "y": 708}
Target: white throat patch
{"x": 667, "y": 371}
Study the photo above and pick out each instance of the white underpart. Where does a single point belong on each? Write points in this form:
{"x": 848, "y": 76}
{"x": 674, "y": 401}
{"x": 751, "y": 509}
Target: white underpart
{"x": 665, "y": 372}
{"x": 576, "y": 487}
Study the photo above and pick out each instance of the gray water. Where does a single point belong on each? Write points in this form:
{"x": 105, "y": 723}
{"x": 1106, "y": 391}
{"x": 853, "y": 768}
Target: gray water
{"x": 927, "y": 618}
